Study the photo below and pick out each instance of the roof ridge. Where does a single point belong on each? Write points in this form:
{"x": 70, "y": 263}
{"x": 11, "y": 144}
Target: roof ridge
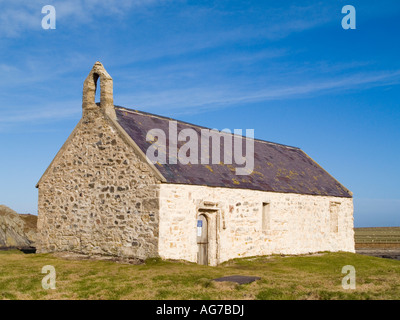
{"x": 202, "y": 127}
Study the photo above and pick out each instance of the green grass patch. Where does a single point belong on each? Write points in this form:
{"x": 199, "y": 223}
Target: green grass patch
{"x": 316, "y": 277}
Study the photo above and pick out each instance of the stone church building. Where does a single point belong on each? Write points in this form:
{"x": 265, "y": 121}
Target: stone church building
{"x": 101, "y": 195}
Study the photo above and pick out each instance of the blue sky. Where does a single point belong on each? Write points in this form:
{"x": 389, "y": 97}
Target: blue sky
{"x": 286, "y": 69}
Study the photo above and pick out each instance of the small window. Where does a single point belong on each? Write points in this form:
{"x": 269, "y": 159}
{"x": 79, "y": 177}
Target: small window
{"x": 334, "y": 216}
{"x": 266, "y": 216}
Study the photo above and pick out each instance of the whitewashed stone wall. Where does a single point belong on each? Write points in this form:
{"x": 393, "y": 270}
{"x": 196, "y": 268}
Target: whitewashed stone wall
{"x": 298, "y": 223}
{"x": 98, "y": 197}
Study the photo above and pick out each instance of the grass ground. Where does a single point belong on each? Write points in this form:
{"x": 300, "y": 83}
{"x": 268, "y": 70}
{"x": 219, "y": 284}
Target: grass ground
{"x": 300, "y": 277}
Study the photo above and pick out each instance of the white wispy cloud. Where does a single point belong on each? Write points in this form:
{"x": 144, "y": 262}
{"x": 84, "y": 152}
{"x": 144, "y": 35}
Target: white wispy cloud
{"x": 20, "y": 16}
{"x": 175, "y": 83}
{"x": 38, "y": 114}
{"x": 276, "y": 24}
{"x": 194, "y": 99}
{"x": 200, "y": 99}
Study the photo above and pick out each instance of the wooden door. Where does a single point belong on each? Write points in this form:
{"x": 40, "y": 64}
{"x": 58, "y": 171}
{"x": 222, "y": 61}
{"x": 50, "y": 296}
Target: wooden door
{"x": 202, "y": 240}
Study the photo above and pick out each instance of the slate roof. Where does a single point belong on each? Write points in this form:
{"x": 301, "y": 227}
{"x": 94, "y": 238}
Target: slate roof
{"x": 277, "y": 168}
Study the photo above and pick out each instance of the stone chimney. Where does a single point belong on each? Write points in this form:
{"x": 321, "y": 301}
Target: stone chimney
{"x": 106, "y": 92}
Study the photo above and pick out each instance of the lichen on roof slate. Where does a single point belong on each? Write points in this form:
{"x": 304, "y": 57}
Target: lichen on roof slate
{"x": 277, "y": 168}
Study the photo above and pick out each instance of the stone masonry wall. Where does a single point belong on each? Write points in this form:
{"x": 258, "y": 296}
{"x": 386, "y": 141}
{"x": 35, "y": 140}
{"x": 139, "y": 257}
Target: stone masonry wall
{"x": 98, "y": 197}
{"x": 297, "y": 224}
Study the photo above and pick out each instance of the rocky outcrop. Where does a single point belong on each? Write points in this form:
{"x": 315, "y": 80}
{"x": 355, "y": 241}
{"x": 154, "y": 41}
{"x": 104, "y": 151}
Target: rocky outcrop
{"x": 16, "y": 231}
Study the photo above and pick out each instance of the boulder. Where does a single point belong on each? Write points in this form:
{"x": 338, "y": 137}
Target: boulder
{"x": 16, "y": 231}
